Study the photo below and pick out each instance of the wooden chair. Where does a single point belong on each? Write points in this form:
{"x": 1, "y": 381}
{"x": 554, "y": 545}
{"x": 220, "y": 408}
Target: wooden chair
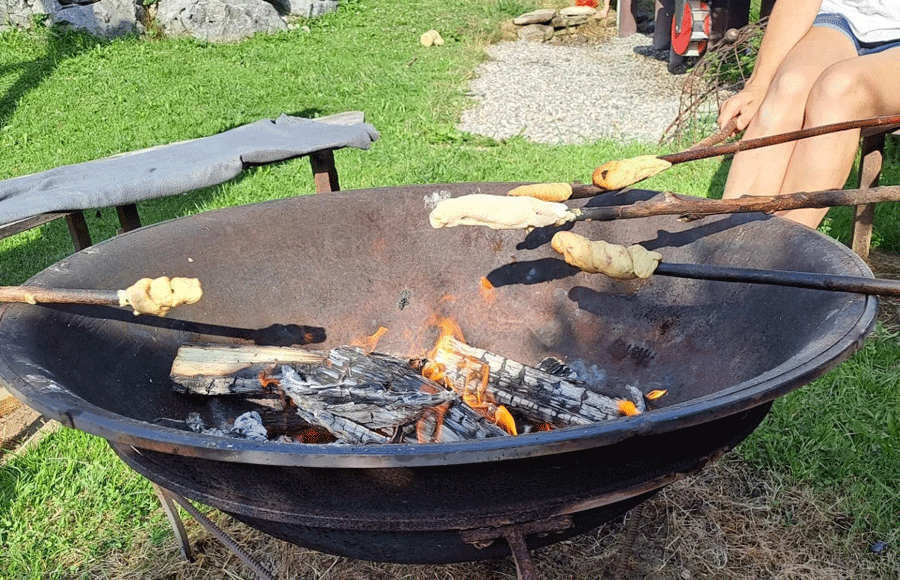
{"x": 871, "y": 161}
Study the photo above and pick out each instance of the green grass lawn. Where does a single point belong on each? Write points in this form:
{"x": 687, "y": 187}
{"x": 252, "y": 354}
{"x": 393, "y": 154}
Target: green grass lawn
{"x": 66, "y": 98}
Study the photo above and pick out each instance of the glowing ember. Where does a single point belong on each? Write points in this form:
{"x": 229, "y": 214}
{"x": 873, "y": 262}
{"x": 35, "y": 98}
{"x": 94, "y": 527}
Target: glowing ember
{"x": 314, "y": 435}
{"x": 369, "y": 343}
{"x": 628, "y": 408}
{"x": 653, "y": 395}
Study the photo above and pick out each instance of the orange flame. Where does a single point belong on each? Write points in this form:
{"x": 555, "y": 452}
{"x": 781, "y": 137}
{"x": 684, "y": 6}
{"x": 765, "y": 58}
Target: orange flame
{"x": 653, "y": 395}
{"x": 627, "y": 408}
{"x": 447, "y": 328}
{"x": 369, "y": 343}
{"x": 434, "y": 371}
{"x": 473, "y": 386}
{"x": 487, "y": 290}
{"x": 505, "y": 421}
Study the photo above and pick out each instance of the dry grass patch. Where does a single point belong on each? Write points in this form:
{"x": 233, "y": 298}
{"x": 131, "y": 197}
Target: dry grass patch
{"x": 725, "y": 523}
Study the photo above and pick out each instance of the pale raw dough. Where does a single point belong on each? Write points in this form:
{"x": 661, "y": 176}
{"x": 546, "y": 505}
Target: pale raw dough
{"x": 157, "y": 296}
{"x": 625, "y": 172}
{"x": 601, "y": 257}
{"x": 544, "y": 191}
{"x": 498, "y": 212}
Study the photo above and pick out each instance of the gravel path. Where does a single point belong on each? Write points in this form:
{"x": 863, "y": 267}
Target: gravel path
{"x": 561, "y": 94}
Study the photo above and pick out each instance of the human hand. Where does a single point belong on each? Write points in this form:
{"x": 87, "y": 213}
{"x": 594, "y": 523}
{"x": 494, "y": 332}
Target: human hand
{"x": 741, "y": 108}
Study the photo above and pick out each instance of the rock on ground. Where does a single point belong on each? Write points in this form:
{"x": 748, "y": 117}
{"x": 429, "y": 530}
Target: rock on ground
{"x": 104, "y": 19}
{"x": 212, "y": 20}
{"x": 310, "y": 8}
{"x": 218, "y": 20}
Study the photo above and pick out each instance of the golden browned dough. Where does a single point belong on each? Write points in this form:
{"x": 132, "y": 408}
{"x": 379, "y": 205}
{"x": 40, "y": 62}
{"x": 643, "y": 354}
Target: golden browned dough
{"x": 625, "y": 172}
{"x": 545, "y": 191}
{"x": 498, "y": 212}
{"x": 601, "y": 257}
{"x": 157, "y": 296}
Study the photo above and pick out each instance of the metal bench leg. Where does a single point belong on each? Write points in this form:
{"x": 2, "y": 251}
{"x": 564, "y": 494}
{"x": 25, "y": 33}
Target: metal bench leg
{"x": 324, "y": 171}
{"x": 871, "y": 158}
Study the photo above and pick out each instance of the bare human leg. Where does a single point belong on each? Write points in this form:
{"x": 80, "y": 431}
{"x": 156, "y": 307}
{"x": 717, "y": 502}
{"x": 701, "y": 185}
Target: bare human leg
{"x": 855, "y": 88}
{"x": 762, "y": 171}
{"x": 605, "y": 10}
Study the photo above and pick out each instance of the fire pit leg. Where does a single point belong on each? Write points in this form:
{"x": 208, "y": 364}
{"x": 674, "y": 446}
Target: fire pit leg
{"x": 515, "y": 537}
{"x": 166, "y": 498}
{"x": 521, "y": 556}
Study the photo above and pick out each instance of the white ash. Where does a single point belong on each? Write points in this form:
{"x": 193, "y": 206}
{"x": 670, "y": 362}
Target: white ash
{"x": 246, "y": 426}
{"x": 435, "y": 198}
{"x": 249, "y": 426}
{"x": 559, "y": 94}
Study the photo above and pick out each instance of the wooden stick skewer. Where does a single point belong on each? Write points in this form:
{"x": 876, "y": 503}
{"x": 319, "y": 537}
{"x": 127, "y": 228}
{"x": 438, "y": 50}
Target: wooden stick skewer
{"x": 146, "y": 296}
{"x": 521, "y": 212}
{"x": 36, "y": 294}
{"x": 626, "y": 172}
{"x": 693, "y": 207}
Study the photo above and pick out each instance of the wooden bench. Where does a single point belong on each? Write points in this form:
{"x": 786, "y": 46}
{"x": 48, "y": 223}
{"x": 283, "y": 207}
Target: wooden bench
{"x": 325, "y": 177}
{"x": 870, "y": 164}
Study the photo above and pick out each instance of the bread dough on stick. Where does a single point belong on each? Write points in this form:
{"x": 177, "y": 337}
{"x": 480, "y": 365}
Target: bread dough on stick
{"x": 625, "y": 172}
{"x": 498, "y": 212}
{"x": 544, "y": 191}
{"x": 604, "y": 258}
{"x": 157, "y": 296}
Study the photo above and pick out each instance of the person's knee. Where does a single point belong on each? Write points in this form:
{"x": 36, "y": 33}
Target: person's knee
{"x": 782, "y": 107}
{"x": 838, "y": 95}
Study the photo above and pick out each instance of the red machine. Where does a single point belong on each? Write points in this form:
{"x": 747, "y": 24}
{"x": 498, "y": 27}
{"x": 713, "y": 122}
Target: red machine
{"x": 691, "y": 27}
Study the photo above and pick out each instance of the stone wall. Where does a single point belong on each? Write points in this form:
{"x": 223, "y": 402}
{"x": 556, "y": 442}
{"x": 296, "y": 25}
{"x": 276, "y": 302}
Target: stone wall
{"x": 212, "y": 20}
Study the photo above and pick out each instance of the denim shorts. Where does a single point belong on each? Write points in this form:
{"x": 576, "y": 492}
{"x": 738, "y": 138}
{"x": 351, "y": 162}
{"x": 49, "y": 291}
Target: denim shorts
{"x": 839, "y": 23}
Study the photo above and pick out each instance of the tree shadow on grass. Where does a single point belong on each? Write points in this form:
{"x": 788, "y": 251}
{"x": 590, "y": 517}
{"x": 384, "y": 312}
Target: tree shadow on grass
{"x": 62, "y": 43}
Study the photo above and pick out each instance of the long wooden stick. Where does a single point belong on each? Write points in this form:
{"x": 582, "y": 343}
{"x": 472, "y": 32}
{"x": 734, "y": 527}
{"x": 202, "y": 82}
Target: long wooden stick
{"x": 157, "y": 296}
{"x": 716, "y": 150}
{"x": 36, "y": 294}
{"x": 690, "y": 206}
{"x": 623, "y": 173}
{"x": 813, "y": 280}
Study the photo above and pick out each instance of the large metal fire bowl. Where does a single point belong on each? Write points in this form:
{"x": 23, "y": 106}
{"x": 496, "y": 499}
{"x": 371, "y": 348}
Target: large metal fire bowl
{"x": 331, "y": 268}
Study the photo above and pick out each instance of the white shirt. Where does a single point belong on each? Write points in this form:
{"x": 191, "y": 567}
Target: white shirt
{"x": 870, "y": 20}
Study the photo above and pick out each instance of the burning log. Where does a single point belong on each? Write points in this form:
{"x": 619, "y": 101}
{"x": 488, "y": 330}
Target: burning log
{"x": 539, "y": 396}
{"x": 218, "y": 369}
{"x": 358, "y": 397}
{"x": 459, "y": 393}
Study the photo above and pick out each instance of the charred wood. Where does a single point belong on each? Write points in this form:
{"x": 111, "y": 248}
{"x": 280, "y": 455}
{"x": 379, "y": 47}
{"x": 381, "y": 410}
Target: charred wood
{"x": 538, "y": 395}
{"x": 218, "y": 369}
{"x": 359, "y": 398}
